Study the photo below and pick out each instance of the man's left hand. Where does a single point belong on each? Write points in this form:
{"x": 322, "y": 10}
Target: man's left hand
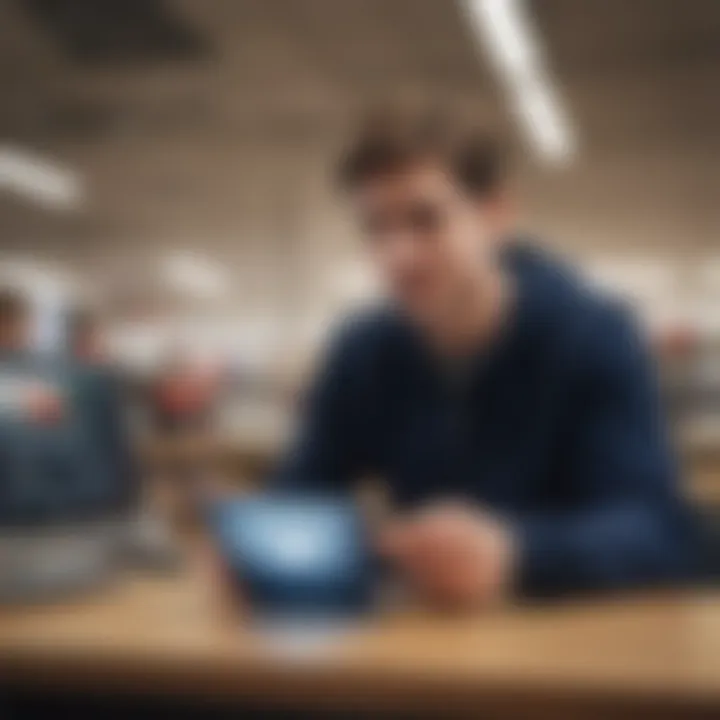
{"x": 454, "y": 555}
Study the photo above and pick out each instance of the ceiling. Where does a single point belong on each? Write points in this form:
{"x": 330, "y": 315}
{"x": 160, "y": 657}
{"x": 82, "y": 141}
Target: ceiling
{"x": 225, "y": 143}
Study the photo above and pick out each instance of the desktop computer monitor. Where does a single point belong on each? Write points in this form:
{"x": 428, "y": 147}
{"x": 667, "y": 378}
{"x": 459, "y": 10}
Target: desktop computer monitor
{"x": 62, "y": 485}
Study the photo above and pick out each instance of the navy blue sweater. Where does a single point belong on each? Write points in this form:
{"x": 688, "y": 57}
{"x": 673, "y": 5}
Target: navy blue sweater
{"x": 557, "y": 427}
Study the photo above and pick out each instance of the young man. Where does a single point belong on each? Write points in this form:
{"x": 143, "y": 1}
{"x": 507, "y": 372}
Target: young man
{"x": 508, "y": 406}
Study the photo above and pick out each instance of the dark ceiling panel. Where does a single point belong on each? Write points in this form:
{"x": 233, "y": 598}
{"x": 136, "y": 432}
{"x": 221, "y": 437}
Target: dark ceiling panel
{"x": 586, "y": 37}
{"x": 102, "y": 32}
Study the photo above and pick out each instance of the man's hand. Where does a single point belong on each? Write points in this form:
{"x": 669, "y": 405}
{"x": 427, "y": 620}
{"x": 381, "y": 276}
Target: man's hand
{"x": 455, "y": 556}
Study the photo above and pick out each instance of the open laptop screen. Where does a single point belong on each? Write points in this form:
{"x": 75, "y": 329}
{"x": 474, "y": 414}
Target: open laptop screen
{"x": 54, "y": 465}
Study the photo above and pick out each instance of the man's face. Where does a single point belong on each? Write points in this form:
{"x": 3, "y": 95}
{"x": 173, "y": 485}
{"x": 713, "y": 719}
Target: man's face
{"x": 427, "y": 238}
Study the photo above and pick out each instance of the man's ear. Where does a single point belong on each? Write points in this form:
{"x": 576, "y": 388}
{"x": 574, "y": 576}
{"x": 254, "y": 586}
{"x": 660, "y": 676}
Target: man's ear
{"x": 497, "y": 212}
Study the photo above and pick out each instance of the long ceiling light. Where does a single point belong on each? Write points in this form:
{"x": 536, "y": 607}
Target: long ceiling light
{"x": 43, "y": 181}
{"x": 507, "y": 35}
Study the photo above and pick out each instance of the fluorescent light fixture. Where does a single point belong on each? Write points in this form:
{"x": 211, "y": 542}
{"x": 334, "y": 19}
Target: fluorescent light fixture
{"x": 191, "y": 273}
{"x": 507, "y": 35}
{"x": 43, "y": 181}
{"x": 547, "y": 127}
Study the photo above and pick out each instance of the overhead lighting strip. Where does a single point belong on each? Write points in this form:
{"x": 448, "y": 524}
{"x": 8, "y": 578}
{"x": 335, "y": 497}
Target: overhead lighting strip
{"x": 506, "y": 33}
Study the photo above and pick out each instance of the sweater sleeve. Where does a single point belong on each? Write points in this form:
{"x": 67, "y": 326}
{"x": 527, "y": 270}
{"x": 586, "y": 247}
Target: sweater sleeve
{"x": 626, "y": 525}
{"x": 327, "y": 452}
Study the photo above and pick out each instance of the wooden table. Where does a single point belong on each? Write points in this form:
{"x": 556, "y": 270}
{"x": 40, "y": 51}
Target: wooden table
{"x": 158, "y": 636}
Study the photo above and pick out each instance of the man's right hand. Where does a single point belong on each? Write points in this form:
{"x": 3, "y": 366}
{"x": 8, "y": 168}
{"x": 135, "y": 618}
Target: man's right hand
{"x": 453, "y": 555}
